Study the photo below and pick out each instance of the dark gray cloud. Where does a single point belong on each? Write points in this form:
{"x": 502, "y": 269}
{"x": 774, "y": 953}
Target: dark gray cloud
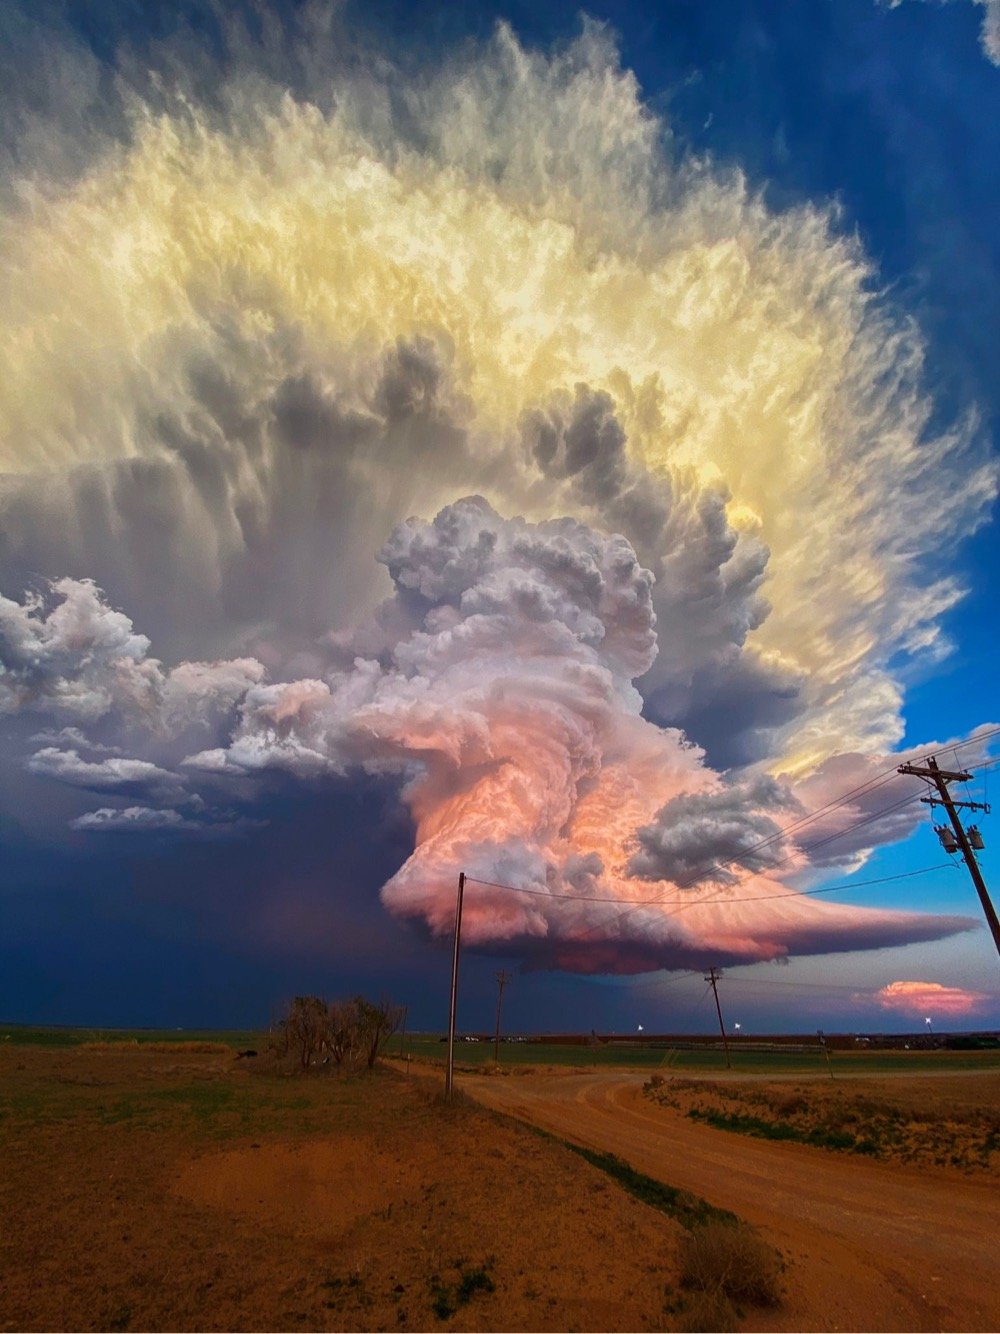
{"x": 709, "y": 577}
{"x": 715, "y": 836}
{"x": 732, "y": 708}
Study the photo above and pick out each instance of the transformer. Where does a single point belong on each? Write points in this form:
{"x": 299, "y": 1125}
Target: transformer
{"x": 947, "y": 837}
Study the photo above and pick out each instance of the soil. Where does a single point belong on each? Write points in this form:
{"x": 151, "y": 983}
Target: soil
{"x": 151, "y": 1190}
{"x": 869, "y": 1245}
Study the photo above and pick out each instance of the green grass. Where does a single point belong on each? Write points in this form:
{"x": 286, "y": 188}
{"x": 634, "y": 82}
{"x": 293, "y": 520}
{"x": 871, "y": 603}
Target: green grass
{"x": 823, "y": 1137}
{"x": 689, "y": 1210}
{"x": 27, "y": 1035}
{"x": 202, "y": 1104}
{"x": 677, "y": 1060}
{"x": 475, "y": 1055}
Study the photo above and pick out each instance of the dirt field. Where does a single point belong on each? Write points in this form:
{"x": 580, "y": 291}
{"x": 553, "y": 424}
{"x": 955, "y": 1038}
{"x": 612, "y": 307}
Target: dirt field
{"x": 870, "y": 1245}
{"x": 164, "y": 1189}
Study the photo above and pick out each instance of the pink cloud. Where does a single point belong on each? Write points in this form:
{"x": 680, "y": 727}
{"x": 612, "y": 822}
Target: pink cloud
{"x": 930, "y": 998}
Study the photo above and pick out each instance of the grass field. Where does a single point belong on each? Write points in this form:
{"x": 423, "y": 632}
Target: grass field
{"x": 475, "y": 1055}
{"x": 27, "y": 1035}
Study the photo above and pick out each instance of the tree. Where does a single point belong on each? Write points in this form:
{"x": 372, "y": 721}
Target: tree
{"x": 377, "y": 1023}
{"x": 349, "y": 1032}
{"x": 345, "y": 1031}
{"x": 306, "y": 1028}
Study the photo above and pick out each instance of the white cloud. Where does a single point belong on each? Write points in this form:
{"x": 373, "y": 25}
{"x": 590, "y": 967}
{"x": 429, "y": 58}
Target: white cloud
{"x": 132, "y": 819}
{"x": 989, "y": 36}
{"x": 114, "y": 774}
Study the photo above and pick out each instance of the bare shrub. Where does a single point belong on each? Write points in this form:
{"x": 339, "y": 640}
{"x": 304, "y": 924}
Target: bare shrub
{"x": 734, "y": 1261}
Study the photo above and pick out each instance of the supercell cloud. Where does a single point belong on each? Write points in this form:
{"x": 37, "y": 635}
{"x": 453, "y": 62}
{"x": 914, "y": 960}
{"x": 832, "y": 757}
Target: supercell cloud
{"x": 675, "y": 473}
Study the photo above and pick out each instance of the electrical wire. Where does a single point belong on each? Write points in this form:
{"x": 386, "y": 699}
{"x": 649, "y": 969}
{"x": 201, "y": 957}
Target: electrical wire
{"x": 872, "y": 784}
{"x": 720, "y": 898}
{"x": 863, "y": 789}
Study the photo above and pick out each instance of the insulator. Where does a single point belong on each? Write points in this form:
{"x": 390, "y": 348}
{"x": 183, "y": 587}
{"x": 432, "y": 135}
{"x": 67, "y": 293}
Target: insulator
{"x": 947, "y": 837}
{"x": 975, "y": 838}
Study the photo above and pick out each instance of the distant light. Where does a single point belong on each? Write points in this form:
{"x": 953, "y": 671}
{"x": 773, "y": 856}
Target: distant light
{"x": 640, "y": 1026}
{"x": 737, "y": 1027}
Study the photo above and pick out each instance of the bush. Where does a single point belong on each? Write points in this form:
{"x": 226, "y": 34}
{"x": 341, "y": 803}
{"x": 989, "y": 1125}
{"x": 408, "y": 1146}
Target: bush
{"x": 348, "y": 1033}
{"x": 709, "y": 1313}
{"x": 733, "y": 1261}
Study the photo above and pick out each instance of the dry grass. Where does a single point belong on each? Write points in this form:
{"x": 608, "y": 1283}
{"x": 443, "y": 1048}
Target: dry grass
{"x": 709, "y": 1313}
{"x": 947, "y": 1121}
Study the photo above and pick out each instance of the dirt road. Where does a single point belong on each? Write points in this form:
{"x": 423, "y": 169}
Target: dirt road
{"x": 869, "y": 1246}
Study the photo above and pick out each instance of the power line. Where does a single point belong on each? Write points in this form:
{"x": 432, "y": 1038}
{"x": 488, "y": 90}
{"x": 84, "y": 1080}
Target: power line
{"x": 873, "y": 784}
{"x": 720, "y": 898}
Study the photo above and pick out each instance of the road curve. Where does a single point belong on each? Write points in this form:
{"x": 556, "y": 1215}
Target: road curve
{"x": 869, "y": 1246}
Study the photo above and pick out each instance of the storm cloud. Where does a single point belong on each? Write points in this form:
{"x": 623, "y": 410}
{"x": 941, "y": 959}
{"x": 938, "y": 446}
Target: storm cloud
{"x": 676, "y": 471}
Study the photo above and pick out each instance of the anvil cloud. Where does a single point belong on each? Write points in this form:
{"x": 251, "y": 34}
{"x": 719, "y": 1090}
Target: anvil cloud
{"x": 273, "y": 309}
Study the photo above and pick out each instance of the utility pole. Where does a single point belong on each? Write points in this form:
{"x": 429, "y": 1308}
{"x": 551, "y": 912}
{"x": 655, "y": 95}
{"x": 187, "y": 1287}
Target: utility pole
{"x": 713, "y": 976}
{"x": 502, "y": 980}
{"x": 941, "y": 778}
{"x": 449, "y": 1079}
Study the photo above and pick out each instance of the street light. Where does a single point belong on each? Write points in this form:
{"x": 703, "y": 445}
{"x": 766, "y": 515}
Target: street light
{"x": 930, "y": 1026}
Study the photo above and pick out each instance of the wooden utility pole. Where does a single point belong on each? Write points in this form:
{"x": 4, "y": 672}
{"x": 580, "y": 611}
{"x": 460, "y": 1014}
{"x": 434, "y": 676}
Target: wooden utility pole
{"x": 941, "y": 778}
{"x": 449, "y": 1079}
{"x": 713, "y": 976}
{"x": 502, "y": 980}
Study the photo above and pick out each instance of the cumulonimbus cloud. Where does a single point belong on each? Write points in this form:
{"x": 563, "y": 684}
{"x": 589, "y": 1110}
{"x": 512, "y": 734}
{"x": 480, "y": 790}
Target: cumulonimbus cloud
{"x": 931, "y": 998}
{"x": 272, "y": 310}
{"x": 498, "y": 683}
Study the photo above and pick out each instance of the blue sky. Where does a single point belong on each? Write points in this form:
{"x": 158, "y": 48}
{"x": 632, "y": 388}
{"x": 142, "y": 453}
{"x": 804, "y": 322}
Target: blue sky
{"x": 263, "y": 882}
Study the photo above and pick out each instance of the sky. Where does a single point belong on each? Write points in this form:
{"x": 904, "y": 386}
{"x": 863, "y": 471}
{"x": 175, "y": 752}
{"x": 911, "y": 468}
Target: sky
{"x": 556, "y": 446}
